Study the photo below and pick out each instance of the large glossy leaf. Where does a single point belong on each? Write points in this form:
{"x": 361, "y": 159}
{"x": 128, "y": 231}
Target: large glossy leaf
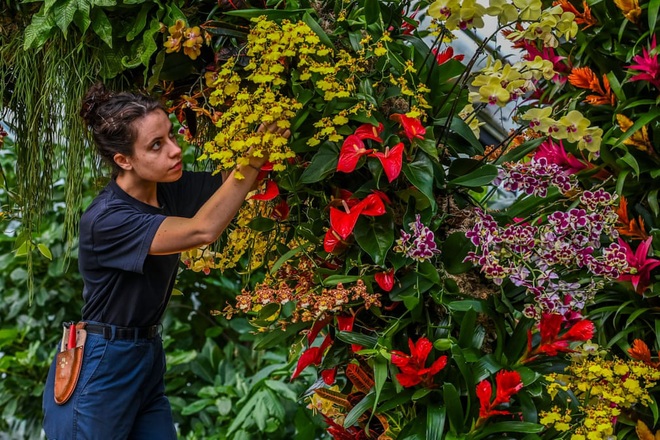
{"x": 323, "y": 164}
{"x": 420, "y": 174}
{"x": 483, "y": 175}
{"x": 375, "y": 236}
{"x": 454, "y": 250}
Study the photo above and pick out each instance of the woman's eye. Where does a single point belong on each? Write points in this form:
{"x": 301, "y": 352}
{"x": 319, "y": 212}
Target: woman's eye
{"x": 156, "y": 146}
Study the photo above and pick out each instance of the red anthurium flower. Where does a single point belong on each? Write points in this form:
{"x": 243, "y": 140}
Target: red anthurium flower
{"x": 343, "y": 222}
{"x": 331, "y": 241}
{"x": 412, "y": 367}
{"x": 507, "y": 383}
{"x": 639, "y": 264}
{"x": 391, "y": 160}
{"x": 345, "y": 324}
{"x": 411, "y": 126}
{"x": 351, "y": 151}
{"x": 370, "y": 131}
{"x": 311, "y": 356}
{"x": 446, "y": 55}
{"x": 371, "y": 205}
{"x": 265, "y": 169}
{"x": 281, "y": 210}
{"x": 551, "y": 343}
{"x": 270, "y": 193}
{"x": 385, "y": 279}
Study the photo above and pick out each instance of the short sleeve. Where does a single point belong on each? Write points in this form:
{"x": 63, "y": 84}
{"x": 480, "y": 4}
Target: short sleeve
{"x": 121, "y": 238}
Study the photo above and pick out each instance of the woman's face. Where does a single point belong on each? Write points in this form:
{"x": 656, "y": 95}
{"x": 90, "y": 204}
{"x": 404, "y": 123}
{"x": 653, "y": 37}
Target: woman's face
{"x": 156, "y": 155}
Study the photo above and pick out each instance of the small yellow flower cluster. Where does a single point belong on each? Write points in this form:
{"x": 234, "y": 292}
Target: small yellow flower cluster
{"x": 418, "y": 93}
{"x": 499, "y": 83}
{"x": 297, "y": 285}
{"x": 603, "y": 388}
{"x": 240, "y": 240}
{"x": 182, "y": 36}
{"x": 552, "y": 25}
{"x": 573, "y": 127}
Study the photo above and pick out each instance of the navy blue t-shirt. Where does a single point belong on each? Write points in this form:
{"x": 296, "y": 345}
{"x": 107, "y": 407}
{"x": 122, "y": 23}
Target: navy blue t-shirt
{"x": 124, "y": 285}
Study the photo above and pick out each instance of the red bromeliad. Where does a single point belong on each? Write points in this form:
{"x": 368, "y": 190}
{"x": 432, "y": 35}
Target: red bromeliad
{"x": 412, "y": 366}
{"x": 640, "y": 265}
{"x": 551, "y": 343}
{"x": 507, "y": 383}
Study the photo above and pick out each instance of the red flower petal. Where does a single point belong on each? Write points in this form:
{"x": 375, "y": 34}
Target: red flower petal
{"x": 331, "y": 241}
{"x": 484, "y": 391}
{"x": 508, "y": 383}
{"x": 270, "y": 193}
{"x": 411, "y": 126}
{"x": 344, "y": 222}
{"x": 385, "y": 280}
{"x": 391, "y": 160}
{"x": 581, "y": 331}
{"x": 281, "y": 211}
{"x": 351, "y": 151}
{"x": 549, "y": 327}
{"x": 408, "y": 380}
{"x": 371, "y": 205}
{"x": 370, "y": 131}
{"x": 329, "y": 376}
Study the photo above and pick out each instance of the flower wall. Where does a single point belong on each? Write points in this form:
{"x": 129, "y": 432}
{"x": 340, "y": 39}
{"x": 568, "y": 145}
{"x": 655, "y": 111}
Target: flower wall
{"x": 430, "y": 286}
{"x": 374, "y": 242}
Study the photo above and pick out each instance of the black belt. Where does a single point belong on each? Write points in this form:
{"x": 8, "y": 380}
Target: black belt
{"x": 123, "y": 332}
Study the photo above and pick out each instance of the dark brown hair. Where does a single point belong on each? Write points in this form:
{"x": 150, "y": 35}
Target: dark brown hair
{"x": 110, "y": 117}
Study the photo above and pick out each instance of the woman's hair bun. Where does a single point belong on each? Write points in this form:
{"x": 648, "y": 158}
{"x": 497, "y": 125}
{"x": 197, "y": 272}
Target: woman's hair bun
{"x": 96, "y": 96}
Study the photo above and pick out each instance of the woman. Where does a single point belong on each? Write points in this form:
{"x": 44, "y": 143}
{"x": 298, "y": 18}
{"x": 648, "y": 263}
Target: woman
{"x": 130, "y": 239}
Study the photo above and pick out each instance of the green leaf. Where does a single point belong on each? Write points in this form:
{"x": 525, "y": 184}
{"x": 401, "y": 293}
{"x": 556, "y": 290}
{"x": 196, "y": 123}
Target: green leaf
{"x": 285, "y": 257}
{"x": 479, "y": 177}
{"x": 101, "y": 26}
{"x": 323, "y": 164}
{"x": 149, "y": 43}
{"x": 380, "y": 377}
{"x": 524, "y": 427}
{"x": 468, "y": 323}
{"x": 520, "y": 151}
{"x": 273, "y": 14}
{"x": 629, "y": 160}
{"x": 45, "y": 251}
{"x": 281, "y": 389}
{"x": 261, "y": 224}
{"x": 81, "y": 17}
{"x": 333, "y": 280}
{"x": 38, "y": 31}
{"x": 652, "y": 198}
{"x": 104, "y": 3}
{"x": 359, "y": 409}
{"x": 652, "y": 12}
{"x": 197, "y": 406}
{"x": 420, "y": 174}
{"x": 375, "y": 236}
{"x": 357, "y": 338}
{"x": 454, "y": 408}
{"x": 454, "y": 250}
{"x": 139, "y": 23}
{"x": 462, "y": 129}
{"x": 372, "y": 12}
{"x": 63, "y": 14}
{"x": 435, "y": 421}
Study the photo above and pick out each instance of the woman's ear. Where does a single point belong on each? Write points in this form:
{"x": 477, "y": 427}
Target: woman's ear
{"x": 122, "y": 161}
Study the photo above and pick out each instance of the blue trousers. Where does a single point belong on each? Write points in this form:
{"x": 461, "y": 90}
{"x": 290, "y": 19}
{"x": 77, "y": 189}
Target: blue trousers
{"x": 120, "y": 394}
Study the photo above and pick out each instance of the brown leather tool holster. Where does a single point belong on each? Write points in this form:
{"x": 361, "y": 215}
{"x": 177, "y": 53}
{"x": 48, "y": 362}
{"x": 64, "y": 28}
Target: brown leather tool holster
{"x": 69, "y": 363}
